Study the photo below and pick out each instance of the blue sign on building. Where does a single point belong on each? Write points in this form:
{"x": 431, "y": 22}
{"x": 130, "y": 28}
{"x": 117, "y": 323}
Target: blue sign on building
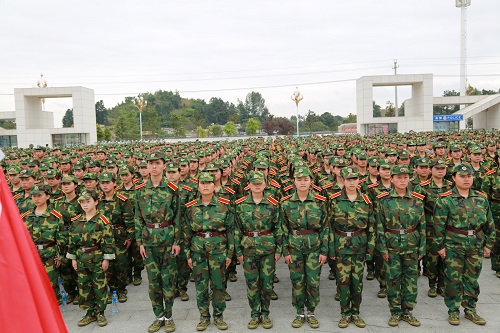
{"x": 448, "y": 117}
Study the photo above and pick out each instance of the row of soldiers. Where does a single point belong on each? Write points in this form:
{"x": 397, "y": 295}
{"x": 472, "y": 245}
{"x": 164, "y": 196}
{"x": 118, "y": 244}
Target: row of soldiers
{"x": 123, "y": 181}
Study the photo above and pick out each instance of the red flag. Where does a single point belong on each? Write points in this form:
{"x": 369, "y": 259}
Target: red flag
{"x": 28, "y": 302}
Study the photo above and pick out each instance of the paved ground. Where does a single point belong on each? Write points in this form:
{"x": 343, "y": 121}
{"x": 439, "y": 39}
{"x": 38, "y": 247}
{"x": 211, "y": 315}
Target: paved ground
{"x": 136, "y": 314}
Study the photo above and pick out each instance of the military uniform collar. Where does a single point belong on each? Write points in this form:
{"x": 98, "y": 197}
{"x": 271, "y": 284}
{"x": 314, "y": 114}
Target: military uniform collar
{"x": 213, "y": 202}
{"x": 295, "y": 196}
{"x": 345, "y": 197}
{"x": 396, "y": 195}
{"x": 163, "y": 183}
{"x": 454, "y": 193}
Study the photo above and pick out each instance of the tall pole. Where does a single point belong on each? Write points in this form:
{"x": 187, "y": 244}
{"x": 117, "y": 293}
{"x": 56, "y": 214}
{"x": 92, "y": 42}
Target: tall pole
{"x": 140, "y": 103}
{"x": 463, "y": 4}
{"x": 297, "y": 97}
{"x": 396, "y": 87}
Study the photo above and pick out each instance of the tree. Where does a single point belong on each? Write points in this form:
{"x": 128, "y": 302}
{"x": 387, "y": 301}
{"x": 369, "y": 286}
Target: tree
{"x": 327, "y": 119}
{"x": 230, "y": 128}
{"x": 469, "y": 124}
{"x": 101, "y": 113}
{"x": 269, "y": 126}
{"x": 215, "y": 130}
{"x": 202, "y": 133}
{"x": 255, "y": 105}
{"x": 376, "y": 110}
{"x": 309, "y": 121}
{"x": 67, "y": 120}
{"x": 100, "y": 133}
{"x": 401, "y": 110}
{"x": 351, "y": 119}
{"x": 253, "y": 125}
{"x": 284, "y": 126}
{"x": 127, "y": 126}
{"x": 150, "y": 121}
{"x": 390, "y": 111}
{"x": 7, "y": 124}
{"x": 107, "y": 134}
{"x": 177, "y": 122}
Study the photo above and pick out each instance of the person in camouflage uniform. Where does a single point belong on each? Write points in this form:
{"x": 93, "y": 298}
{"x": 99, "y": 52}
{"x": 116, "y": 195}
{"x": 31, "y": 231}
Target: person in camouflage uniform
{"x": 118, "y": 209}
{"x": 158, "y": 234}
{"x": 23, "y": 198}
{"x": 352, "y": 241}
{"x": 258, "y": 245}
{"x": 305, "y": 244}
{"x": 46, "y": 228}
{"x": 491, "y": 186}
{"x": 465, "y": 233}
{"x": 210, "y": 234}
{"x": 401, "y": 242}
{"x": 91, "y": 247}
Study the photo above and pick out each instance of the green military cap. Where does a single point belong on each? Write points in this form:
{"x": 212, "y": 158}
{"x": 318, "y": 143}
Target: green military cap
{"x": 126, "y": 169}
{"x": 381, "y": 149}
{"x": 341, "y": 147}
{"x": 106, "y": 177}
{"x": 439, "y": 144}
{"x": 44, "y": 166}
{"x": 224, "y": 163}
{"x": 69, "y": 179}
{"x": 261, "y": 164}
{"x": 373, "y": 161}
{"x": 391, "y": 151}
{"x": 25, "y": 161}
{"x": 384, "y": 163}
{"x": 423, "y": 161}
{"x": 411, "y": 143}
{"x": 299, "y": 163}
{"x": 327, "y": 152}
{"x": 256, "y": 177}
{"x": 338, "y": 161}
{"x": 40, "y": 148}
{"x": 361, "y": 156}
{"x": 349, "y": 172}
{"x": 404, "y": 155}
{"x": 155, "y": 156}
{"x": 110, "y": 163}
{"x": 33, "y": 162}
{"x": 127, "y": 154}
{"x": 90, "y": 176}
{"x": 94, "y": 163}
{"x": 421, "y": 142}
{"x": 171, "y": 166}
{"x": 463, "y": 169}
{"x": 168, "y": 149}
{"x": 27, "y": 173}
{"x": 65, "y": 161}
{"x": 80, "y": 165}
{"x": 475, "y": 150}
{"x": 206, "y": 177}
{"x": 52, "y": 173}
{"x": 13, "y": 170}
{"x": 212, "y": 166}
{"x": 455, "y": 147}
{"x": 112, "y": 156}
{"x": 88, "y": 194}
{"x": 302, "y": 172}
{"x": 438, "y": 163}
{"x": 193, "y": 158}
{"x": 183, "y": 161}
{"x": 39, "y": 189}
{"x": 100, "y": 150}
{"x": 400, "y": 169}
{"x": 202, "y": 153}
{"x": 143, "y": 164}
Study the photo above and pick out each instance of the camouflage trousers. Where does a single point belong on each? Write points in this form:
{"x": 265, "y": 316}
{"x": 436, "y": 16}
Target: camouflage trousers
{"x": 183, "y": 273}
{"x": 401, "y": 277}
{"x": 93, "y": 286}
{"x": 433, "y": 264}
{"x": 135, "y": 261}
{"x": 117, "y": 271}
{"x": 162, "y": 274}
{"x": 209, "y": 268}
{"x": 50, "y": 268}
{"x": 379, "y": 269}
{"x": 305, "y": 272}
{"x": 461, "y": 274}
{"x": 259, "y": 274}
{"x": 370, "y": 265}
{"x": 350, "y": 269}
{"x": 69, "y": 277}
{"x": 495, "y": 252}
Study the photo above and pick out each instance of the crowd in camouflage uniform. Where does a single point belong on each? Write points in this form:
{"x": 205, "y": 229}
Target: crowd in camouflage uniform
{"x": 160, "y": 222}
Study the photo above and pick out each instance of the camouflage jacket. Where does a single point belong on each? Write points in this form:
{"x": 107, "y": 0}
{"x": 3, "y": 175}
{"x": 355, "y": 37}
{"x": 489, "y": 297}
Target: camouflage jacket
{"x": 469, "y": 213}
{"x": 68, "y": 209}
{"x": 157, "y": 205}
{"x": 23, "y": 203}
{"x": 94, "y": 232}
{"x": 120, "y": 213}
{"x": 45, "y": 229}
{"x": 431, "y": 192}
{"x": 310, "y": 214}
{"x": 263, "y": 216}
{"x": 396, "y": 213}
{"x": 351, "y": 216}
{"x": 217, "y": 216}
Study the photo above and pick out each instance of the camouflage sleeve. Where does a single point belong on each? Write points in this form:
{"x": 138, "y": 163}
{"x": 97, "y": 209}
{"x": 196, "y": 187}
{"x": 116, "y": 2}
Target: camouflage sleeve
{"x": 108, "y": 241}
{"x": 72, "y": 245}
{"x": 230, "y": 231}
{"x": 177, "y": 218}
{"x": 421, "y": 229}
{"x": 371, "y": 233}
{"x": 440, "y": 219}
{"x": 61, "y": 239}
{"x": 237, "y": 233}
{"x": 138, "y": 220}
{"x": 489, "y": 228}
{"x": 128, "y": 218}
{"x": 284, "y": 227}
{"x": 187, "y": 233}
{"x": 278, "y": 232}
{"x": 380, "y": 220}
{"x": 325, "y": 230}
{"x": 331, "y": 233}
{"x": 486, "y": 185}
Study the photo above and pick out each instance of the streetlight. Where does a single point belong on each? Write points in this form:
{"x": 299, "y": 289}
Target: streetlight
{"x": 463, "y": 4}
{"x": 42, "y": 84}
{"x": 140, "y": 103}
{"x": 297, "y": 97}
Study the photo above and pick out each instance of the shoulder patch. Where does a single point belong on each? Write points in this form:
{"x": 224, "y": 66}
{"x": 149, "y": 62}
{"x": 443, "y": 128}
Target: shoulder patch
{"x": 236, "y": 181}
{"x": 187, "y": 188}
{"x": 138, "y": 187}
{"x": 335, "y": 195}
{"x": 56, "y": 213}
{"x": 17, "y": 196}
{"x": 491, "y": 172}
{"x": 190, "y": 203}
{"x": 172, "y": 186}
{"x": 230, "y": 190}
{"x": 373, "y": 185}
{"x": 104, "y": 219}
{"x": 284, "y": 168}
{"x": 24, "y": 215}
{"x": 320, "y": 197}
{"x": 362, "y": 180}
{"x": 194, "y": 179}
{"x": 272, "y": 200}
{"x": 224, "y": 201}
{"x": 60, "y": 198}
{"x": 316, "y": 170}
{"x": 381, "y": 195}
{"x": 286, "y": 198}
{"x": 327, "y": 186}
{"x": 482, "y": 193}
{"x": 118, "y": 188}
{"x": 427, "y": 182}
{"x": 238, "y": 175}
{"x": 445, "y": 194}
{"x": 317, "y": 188}
{"x": 287, "y": 188}
{"x": 365, "y": 198}
{"x": 246, "y": 188}
{"x": 272, "y": 172}
{"x": 76, "y": 218}
{"x": 121, "y": 197}
{"x": 240, "y": 200}
{"x": 418, "y": 195}
{"x": 135, "y": 181}
{"x": 275, "y": 183}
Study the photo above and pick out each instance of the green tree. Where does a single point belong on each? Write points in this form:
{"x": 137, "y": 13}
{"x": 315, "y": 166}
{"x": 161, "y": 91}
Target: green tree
{"x": 390, "y": 111}
{"x": 327, "y": 119}
{"x": 150, "y": 120}
{"x": 178, "y": 123}
{"x": 127, "y": 126}
{"x": 309, "y": 121}
{"x": 351, "y": 119}
{"x": 230, "y": 128}
{"x": 401, "y": 110}
{"x": 101, "y": 113}
{"x": 253, "y": 125}
{"x": 202, "y": 133}
{"x": 469, "y": 124}
{"x": 100, "y": 133}
{"x": 107, "y": 134}
{"x": 377, "y": 110}
{"x": 7, "y": 124}
{"x": 67, "y": 120}
{"x": 255, "y": 106}
{"x": 216, "y": 130}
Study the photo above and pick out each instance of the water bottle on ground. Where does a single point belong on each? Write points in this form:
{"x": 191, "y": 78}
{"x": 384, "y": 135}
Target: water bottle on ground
{"x": 64, "y": 300}
{"x": 114, "y": 303}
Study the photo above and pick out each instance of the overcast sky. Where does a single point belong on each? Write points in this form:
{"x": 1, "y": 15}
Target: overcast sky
{"x": 226, "y": 49}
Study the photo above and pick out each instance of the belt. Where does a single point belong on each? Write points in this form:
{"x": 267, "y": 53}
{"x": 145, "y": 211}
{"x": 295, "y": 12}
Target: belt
{"x": 90, "y": 249}
{"x": 401, "y": 231}
{"x": 209, "y": 234}
{"x": 256, "y": 233}
{"x": 158, "y": 225}
{"x": 119, "y": 225}
{"x": 302, "y": 232}
{"x": 44, "y": 246}
{"x": 463, "y": 232}
{"x": 495, "y": 200}
{"x": 349, "y": 233}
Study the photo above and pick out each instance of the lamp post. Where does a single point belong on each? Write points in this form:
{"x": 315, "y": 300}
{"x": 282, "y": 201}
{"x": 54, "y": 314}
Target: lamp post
{"x": 463, "y": 4}
{"x": 140, "y": 103}
{"x": 42, "y": 84}
{"x": 297, "y": 97}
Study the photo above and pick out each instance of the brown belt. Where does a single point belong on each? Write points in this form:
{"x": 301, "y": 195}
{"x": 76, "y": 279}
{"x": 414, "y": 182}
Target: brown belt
{"x": 302, "y": 232}
{"x": 256, "y": 233}
{"x": 209, "y": 234}
{"x": 90, "y": 249}
{"x": 495, "y": 200}
{"x": 401, "y": 231}
{"x": 349, "y": 233}
{"x": 119, "y": 225}
{"x": 463, "y": 232}
{"x": 44, "y": 246}
{"x": 158, "y": 225}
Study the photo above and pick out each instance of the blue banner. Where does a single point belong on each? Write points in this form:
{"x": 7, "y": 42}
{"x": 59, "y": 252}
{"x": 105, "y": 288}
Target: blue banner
{"x": 448, "y": 117}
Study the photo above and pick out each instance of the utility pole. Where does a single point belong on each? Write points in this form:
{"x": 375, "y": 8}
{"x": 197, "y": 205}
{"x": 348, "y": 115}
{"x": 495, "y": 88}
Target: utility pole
{"x": 396, "y": 87}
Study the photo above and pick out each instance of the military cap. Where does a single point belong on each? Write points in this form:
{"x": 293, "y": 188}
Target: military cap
{"x": 455, "y": 147}
{"x": 33, "y": 162}
{"x": 25, "y": 161}
{"x": 327, "y": 152}
{"x": 155, "y": 156}
{"x": 52, "y": 173}
{"x": 384, "y": 163}
{"x": 349, "y": 172}
{"x": 302, "y": 172}
{"x": 411, "y": 143}
{"x": 404, "y": 155}
{"x": 421, "y": 142}
{"x": 423, "y": 161}
{"x": 212, "y": 166}
{"x": 438, "y": 163}
{"x": 391, "y": 151}
{"x": 381, "y": 149}
{"x": 171, "y": 166}
{"x": 69, "y": 179}
{"x": 65, "y": 161}
{"x": 79, "y": 165}
{"x": 224, "y": 163}
{"x": 90, "y": 176}
{"x": 40, "y": 148}
{"x": 261, "y": 164}
{"x": 87, "y": 194}
{"x": 44, "y": 167}
{"x": 463, "y": 169}
{"x": 13, "y": 170}
{"x": 400, "y": 169}
{"x": 143, "y": 164}
{"x": 27, "y": 173}
{"x": 126, "y": 169}
{"x": 94, "y": 163}
{"x": 361, "y": 156}
{"x": 338, "y": 161}
{"x": 193, "y": 158}
{"x": 256, "y": 177}
{"x": 439, "y": 144}
{"x": 206, "y": 177}
{"x": 100, "y": 150}
{"x": 475, "y": 150}
{"x": 110, "y": 163}
{"x": 106, "y": 177}
{"x": 183, "y": 161}
{"x": 39, "y": 189}
{"x": 373, "y": 161}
